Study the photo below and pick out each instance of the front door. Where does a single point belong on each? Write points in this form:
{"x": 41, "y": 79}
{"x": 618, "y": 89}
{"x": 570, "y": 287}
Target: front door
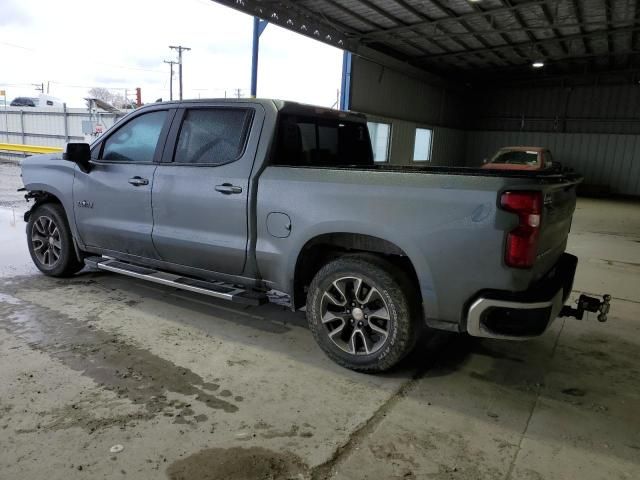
{"x": 112, "y": 203}
{"x": 200, "y": 189}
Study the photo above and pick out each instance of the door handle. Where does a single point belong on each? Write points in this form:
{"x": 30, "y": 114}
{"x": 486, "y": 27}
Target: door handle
{"x": 228, "y": 189}
{"x": 138, "y": 181}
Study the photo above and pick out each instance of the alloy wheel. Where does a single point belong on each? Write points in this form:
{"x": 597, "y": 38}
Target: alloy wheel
{"x": 355, "y": 315}
{"x": 46, "y": 241}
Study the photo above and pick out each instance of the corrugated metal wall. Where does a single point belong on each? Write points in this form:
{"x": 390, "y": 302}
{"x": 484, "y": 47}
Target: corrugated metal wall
{"x": 381, "y": 91}
{"x": 577, "y": 109}
{"x": 593, "y": 128}
{"x": 610, "y": 160}
{"x": 408, "y": 103}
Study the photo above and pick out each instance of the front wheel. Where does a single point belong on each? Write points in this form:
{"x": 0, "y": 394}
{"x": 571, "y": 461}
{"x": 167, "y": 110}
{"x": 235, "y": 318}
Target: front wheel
{"x": 50, "y": 241}
{"x": 360, "y": 314}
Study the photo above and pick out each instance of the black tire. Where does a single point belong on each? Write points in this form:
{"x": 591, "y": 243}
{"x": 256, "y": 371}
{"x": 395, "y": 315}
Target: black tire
{"x": 48, "y": 231}
{"x": 396, "y": 295}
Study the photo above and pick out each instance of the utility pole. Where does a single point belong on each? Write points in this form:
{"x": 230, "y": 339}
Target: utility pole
{"x": 180, "y": 49}
{"x": 171, "y": 64}
{"x": 39, "y": 87}
{"x": 238, "y": 92}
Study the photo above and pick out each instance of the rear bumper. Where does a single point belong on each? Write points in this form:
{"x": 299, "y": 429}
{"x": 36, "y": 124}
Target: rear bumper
{"x": 522, "y": 315}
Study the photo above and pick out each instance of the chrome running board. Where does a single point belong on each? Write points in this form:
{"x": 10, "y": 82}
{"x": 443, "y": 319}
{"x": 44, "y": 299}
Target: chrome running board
{"x": 222, "y": 290}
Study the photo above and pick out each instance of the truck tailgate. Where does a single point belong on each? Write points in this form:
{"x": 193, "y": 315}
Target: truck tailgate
{"x": 559, "y": 203}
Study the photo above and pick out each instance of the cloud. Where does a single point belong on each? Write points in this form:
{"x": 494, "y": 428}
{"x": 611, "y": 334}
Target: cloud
{"x": 125, "y": 44}
{"x": 13, "y": 14}
{"x": 110, "y": 80}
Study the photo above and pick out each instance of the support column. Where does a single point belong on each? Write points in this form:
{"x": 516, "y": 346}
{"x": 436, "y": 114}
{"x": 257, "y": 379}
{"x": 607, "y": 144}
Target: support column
{"x": 258, "y": 27}
{"x": 345, "y": 84}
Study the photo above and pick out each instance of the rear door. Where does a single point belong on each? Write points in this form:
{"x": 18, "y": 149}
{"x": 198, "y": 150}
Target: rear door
{"x": 200, "y": 190}
{"x": 112, "y": 203}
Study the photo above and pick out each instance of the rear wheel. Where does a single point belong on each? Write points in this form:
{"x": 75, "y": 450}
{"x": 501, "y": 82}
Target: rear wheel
{"x": 50, "y": 241}
{"x": 362, "y": 313}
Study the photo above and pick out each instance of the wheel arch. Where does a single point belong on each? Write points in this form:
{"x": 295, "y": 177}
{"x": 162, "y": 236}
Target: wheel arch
{"x": 41, "y": 197}
{"x": 42, "y": 194}
{"x": 323, "y": 248}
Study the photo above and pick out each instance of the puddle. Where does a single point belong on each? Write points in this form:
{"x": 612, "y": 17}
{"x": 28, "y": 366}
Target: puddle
{"x": 237, "y": 463}
{"x": 112, "y": 362}
{"x": 14, "y": 255}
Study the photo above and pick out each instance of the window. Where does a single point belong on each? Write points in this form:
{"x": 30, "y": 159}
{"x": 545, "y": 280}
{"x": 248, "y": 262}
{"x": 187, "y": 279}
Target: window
{"x": 212, "y": 136}
{"x": 422, "y": 145}
{"x": 136, "y": 141}
{"x": 311, "y": 141}
{"x": 380, "y": 134}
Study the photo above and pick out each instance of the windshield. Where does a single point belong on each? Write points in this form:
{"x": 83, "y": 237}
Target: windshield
{"x": 516, "y": 157}
{"x": 24, "y": 102}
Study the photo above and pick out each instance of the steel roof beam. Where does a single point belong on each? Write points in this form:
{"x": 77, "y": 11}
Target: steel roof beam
{"x": 487, "y": 14}
{"x": 577, "y": 8}
{"x": 608, "y": 12}
{"x": 469, "y": 28}
{"x": 525, "y": 45}
{"x": 520, "y": 21}
{"x": 504, "y": 31}
{"x": 391, "y": 18}
{"x": 564, "y": 60}
{"x": 549, "y": 18}
{"x": 634, "y": 35}
{"x": 424, "y": 17}
{"x": 374, "y": 25}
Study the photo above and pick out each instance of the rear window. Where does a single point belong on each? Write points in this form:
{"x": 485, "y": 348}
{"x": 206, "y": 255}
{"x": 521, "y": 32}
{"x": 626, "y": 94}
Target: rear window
{"x": 311, "y": 141}
{"x": 516, "y": 158}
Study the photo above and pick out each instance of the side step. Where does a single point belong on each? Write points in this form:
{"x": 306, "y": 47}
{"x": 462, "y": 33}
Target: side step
{"x": 225, "y": 291}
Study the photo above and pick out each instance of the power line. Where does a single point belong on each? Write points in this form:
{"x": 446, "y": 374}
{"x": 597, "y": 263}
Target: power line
{"x": 180, "y": 49}
{"x": 123, "y": 67}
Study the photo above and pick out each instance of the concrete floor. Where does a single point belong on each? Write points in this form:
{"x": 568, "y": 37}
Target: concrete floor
{"x": 197, "y": 388}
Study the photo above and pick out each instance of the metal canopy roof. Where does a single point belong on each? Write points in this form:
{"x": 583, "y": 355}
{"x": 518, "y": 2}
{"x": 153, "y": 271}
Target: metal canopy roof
{"x": 475, "y": 40}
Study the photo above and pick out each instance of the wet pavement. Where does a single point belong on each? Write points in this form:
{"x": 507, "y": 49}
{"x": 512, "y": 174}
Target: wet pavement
{"x": 197, "y": 388}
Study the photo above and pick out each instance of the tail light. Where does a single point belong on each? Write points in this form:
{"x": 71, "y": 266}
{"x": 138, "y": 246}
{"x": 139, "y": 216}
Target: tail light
{"x": 522, "y": 242}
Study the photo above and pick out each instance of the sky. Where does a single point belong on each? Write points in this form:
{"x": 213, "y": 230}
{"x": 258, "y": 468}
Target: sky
{"x": 74, "y": 45}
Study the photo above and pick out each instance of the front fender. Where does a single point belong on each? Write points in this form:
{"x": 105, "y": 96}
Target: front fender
{"x": 49, "y": 175}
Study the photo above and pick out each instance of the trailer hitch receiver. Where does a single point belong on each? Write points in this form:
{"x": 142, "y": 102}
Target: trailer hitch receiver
{"x": 588, "y": 304}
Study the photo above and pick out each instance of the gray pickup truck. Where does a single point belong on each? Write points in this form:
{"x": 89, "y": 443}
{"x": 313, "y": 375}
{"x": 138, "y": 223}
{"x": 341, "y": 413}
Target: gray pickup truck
{"x": 238, "y": 199}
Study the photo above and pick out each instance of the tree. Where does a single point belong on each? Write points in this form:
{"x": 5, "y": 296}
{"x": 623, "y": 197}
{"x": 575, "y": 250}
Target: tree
{"x": 113, "y": 98}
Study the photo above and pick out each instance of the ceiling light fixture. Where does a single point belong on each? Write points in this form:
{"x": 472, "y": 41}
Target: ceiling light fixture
{"x": 537, "y": 64}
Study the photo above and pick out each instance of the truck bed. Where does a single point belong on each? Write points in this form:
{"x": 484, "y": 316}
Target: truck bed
{"x": 447, "y": 220}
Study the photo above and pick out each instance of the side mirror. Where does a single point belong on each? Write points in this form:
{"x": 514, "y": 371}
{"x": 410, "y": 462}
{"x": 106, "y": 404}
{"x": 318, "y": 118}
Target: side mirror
{"x": 80, "y": 154}
{"x": 556, "y": 166}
